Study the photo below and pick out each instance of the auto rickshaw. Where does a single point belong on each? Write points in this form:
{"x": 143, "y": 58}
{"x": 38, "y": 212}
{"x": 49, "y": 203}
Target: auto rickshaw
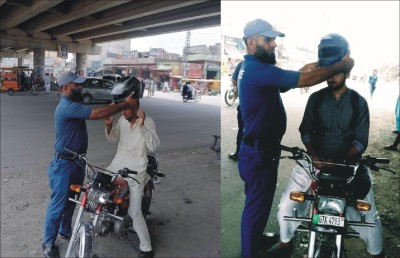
{"x": 13, "y": 79}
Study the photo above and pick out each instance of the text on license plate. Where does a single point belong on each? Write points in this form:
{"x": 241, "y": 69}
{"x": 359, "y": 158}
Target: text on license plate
{"x": 320, "y": 219}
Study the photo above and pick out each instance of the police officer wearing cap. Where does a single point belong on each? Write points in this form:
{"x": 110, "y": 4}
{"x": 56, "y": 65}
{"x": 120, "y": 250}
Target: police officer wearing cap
{"x": 71, "y": 133}
{"x": 260, "y": 84}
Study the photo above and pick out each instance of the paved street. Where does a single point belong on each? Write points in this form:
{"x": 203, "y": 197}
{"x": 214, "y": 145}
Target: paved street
{"x": 177, "y": 229}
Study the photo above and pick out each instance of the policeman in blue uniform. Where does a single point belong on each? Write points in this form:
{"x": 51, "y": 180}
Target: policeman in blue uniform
{"x": 71, "y": 133}
{"x": 260, "y": 83}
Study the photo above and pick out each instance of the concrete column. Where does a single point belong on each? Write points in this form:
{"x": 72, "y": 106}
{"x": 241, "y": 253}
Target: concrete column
{"x": 81, "y": 63}
{"x": 38, "y": 62}
{"x": 19, "y": 61}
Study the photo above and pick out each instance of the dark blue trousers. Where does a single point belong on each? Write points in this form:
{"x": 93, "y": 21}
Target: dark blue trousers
{"x": 62, "y": 173}
{"x": 259, "y": 173}
{"x": 240, "y": 131}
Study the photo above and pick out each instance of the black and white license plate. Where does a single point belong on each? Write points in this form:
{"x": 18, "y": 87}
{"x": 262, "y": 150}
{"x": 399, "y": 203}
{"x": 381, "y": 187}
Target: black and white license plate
{"x": 320, "y": 219}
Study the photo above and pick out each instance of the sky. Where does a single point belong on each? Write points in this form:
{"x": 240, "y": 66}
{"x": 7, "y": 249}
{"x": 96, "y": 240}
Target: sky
{"x": 175, "y": 42}
{"x": 370, "y": 27}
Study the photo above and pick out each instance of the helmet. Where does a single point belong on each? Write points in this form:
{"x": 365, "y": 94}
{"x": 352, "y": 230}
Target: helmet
{"x": 122, "y": 90}
{"x": 331, "y": 49}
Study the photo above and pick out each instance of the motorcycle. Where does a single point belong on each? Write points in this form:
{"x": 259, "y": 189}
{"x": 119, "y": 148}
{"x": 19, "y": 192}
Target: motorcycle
{"x": 195, "y": 96}
{"x": 325, "y": 226}
{"x": 231, "y": 95}
{"x": 106, "y": 198}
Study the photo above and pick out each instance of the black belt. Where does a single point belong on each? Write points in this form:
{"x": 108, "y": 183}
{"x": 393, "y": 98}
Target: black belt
{"x": 65, "y": 156}
{"x": 262, "y": 144}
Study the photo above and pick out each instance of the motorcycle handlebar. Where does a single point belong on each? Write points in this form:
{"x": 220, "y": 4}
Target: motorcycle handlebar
{"x": 373, "y": 160}
{"x": 294, "y": 150}
{"x": 366, "y": 160}
{"x": 126, "y": 171}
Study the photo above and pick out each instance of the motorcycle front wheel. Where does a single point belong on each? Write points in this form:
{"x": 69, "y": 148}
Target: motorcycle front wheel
{"x": 34, "y": 91}
{"x": 230, "y": 97}
{"x": 83, "y": 244}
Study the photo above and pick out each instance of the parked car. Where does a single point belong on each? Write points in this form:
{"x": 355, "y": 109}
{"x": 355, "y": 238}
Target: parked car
{"x": 94, "y": 89}
{"x": 112, "y": 77}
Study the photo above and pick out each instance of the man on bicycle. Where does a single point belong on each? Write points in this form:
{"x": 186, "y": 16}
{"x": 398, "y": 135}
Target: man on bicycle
{"x": 187, "y": 90}
{"x": 137, "y": 135}
{"x": 335, "y": 128}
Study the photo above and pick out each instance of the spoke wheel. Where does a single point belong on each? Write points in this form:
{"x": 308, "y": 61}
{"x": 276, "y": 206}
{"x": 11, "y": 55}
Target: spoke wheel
{"x": 230, "y": 97}
{"x": 146, "y": 199}
{"x": 83, "y": 244}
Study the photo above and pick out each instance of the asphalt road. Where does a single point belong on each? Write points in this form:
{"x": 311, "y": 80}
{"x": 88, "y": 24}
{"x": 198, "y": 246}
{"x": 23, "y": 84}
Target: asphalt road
{"x": 177, "y": 228}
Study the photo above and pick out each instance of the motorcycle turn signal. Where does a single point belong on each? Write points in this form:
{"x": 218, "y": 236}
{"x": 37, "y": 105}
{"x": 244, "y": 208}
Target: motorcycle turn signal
{"x": 362, "y": 205}
{"x": 75, "y": 188}
{"x": 117, "y": 200}
{"x": 297, "y": 196}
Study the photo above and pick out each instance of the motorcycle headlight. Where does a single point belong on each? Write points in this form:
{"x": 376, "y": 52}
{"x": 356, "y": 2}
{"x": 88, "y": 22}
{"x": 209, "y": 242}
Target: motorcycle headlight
{"x": 98, "y": 196}
{"x": 331, "y": 205}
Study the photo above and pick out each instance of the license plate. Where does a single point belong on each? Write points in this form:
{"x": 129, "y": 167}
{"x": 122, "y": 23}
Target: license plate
{"x": 320, "y": 219}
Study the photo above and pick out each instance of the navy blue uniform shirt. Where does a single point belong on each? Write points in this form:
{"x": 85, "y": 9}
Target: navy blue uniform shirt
{"x": 70, "y": 126}
{"x": 262, "y": 109}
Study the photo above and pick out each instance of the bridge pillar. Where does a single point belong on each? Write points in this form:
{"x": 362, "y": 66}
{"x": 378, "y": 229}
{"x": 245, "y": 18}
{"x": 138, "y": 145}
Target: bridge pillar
{"x": 81, "y": 63}
{"x": 38, "y": 62}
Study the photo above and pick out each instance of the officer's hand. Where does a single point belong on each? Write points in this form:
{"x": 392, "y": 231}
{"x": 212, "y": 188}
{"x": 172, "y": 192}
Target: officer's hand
{"x": 109, "y": 120}
{"x": 308, "y": 67}
{"x": 348, "y": 63}
{"x": 130, "y": 102}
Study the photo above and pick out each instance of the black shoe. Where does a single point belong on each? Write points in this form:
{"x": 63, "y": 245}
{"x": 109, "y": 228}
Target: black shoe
{"x": 149, "y": 254}
{"x": 233, "y": 156}
{"x": 50, "y": 251}
{"x": 64, "y": 237}
{"x": 278, "y": 250}
{"x": 266, "y": 242}
{"x": 390, "y": 147}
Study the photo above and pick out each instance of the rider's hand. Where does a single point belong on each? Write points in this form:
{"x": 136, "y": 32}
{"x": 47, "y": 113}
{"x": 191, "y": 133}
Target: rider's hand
{"x": 141, "y": 116}
{"x": 317, "y": 165}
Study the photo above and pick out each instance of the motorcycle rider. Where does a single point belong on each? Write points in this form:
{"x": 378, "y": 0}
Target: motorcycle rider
{"x": 335, "y": 130}
{"x": 137, "y": 134}
{"x": 187, "y": 90}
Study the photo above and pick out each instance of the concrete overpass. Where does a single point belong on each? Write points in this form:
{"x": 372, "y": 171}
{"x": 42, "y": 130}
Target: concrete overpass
{"x": 44, "y": 25}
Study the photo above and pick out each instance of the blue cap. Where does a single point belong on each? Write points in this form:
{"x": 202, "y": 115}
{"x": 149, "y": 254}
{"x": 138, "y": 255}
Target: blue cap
{"x": 261, "y": 27}
{"x": 68, "y": 77}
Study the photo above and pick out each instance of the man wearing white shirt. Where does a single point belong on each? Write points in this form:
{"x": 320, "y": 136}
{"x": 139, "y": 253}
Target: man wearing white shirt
{"x": 137, "y": 135}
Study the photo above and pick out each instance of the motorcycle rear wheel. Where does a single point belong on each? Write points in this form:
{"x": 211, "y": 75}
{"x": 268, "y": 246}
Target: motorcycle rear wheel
{"x": 230, "y": 97}
{"x": 146, "y": 199}
{"x": 83, "y": 244}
